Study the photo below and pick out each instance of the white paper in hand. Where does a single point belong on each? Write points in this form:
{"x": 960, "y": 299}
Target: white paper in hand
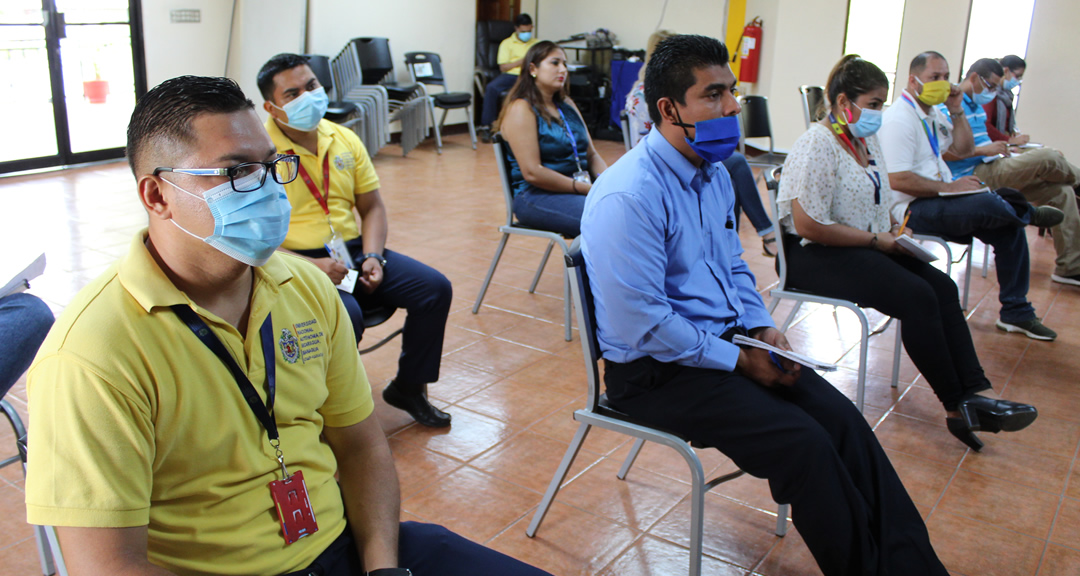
{"x": 740, "y": 340}
{"x": 916, "y": 249}
{"x": 18, "y": 272}
{"x": 348, "y": 283}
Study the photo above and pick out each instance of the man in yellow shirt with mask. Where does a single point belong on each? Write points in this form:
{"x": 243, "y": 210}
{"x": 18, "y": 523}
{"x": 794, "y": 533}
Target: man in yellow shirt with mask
{"x": 511, "y": 53}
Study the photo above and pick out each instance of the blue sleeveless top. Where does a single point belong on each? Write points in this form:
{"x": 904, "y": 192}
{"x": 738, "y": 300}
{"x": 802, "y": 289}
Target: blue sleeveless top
{"x": 555, "y": 149}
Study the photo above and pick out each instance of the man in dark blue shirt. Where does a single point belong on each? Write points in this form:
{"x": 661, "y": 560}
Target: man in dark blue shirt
{"x": 671, "y": 290}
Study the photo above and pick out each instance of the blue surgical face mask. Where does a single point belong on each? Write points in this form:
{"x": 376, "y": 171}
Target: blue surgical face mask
{"x": 248, "y": 226}
{"x": 983, "y": 98}
{"x": 306, "y": 110}
{"x": 715, "y": 139}
{"x": 525, "y": 36}
{"x": 1011, "y": 83}
{"x": 868, "y": 124}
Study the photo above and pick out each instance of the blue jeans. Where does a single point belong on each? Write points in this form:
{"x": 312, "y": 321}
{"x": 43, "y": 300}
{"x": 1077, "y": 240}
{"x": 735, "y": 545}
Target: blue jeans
{"x": 991, "y": 219}
{"x": 494, "y": 88}
{"x": 24, "y": 322}
{"x": 550, "y": 211}
{"x": 746, "y": 194}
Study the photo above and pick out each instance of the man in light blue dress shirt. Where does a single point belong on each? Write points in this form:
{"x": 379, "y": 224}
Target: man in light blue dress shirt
{"x": 671, "y": 290}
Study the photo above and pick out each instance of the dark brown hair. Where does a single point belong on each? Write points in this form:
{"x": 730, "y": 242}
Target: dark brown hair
{"x": 852, "y": 76}
{"x": 525, "y": 88}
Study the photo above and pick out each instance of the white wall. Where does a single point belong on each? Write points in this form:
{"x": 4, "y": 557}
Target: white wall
{"x": 444, "y": 26}
{"x": 932, "y": 25}
{"x": 632, "y": 20}
{"x": 263, "y": 28}
{"x": 1047, "y": 106}
{"x": 178, "y": 49}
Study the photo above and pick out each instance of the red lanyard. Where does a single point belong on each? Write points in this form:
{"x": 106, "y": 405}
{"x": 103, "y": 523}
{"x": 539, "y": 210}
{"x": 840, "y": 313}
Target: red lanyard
{"x": 325, "y": 194}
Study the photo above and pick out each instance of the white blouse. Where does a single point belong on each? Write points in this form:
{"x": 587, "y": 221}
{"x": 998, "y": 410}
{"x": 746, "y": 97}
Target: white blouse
{"x": 832, "y": 187}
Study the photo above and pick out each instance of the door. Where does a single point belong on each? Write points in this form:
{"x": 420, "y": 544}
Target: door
{"x": 70, "y": 71}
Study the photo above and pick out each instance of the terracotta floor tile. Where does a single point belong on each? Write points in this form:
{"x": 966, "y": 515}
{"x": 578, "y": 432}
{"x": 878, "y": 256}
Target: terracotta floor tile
{"x": 638, "y": 502}
{"x": 790, "y": 557}
{"x": 654, "y": 557}
{"x": 968, "y": 546}
{"x": 555, "y": 375}
{"x": 570, "y": 542}
{"x": 1073, "y": 490}
{"x": 1019, "y": 464}
{"x": 562, "y": 426}
{"x": 452, "y": 503}
{"x": 487, "y": 321}
{"x": 1058, "y": 560}
{"x": 536, "y": 305}
{"x": 1058, "y": 437}
{"x": 919, "y": 438}
{"x": 530, "y": 460}
{"x": 419, "y": 467}
{"x": 879, "y": 362}
{"x": 458, "y": 381}
{"x": 515, "y": 402}
{"x": 498, "y": 356}
{"x": 732, "y": 532}
{"x": 920, "y": 402}
{"x": 1004, "y": 504}
{"x": 1067, "y": 525}
{"x": 540, "y": 334}
{"x": 666, "y": 461}
{"x": 879, "y": 391}
{"x": 457, "y": 338}
{"x": 21, "y": 559}
{"x": 470, "y": 435}
{"x": 12, "y": 506}
{"x": 925, "y": 480}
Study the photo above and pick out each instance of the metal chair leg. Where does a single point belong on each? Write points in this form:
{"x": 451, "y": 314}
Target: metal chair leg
{"x": 864, "y": 347}
{"x": 791, "y": 316}
{"x": 781, "y": 520}
{"x": 472, "y": 126}
{"x": 557, "y": 480}
{"x": 567, "y": 305}
{"x": 540, "y": 270}
{"x": 986, "y": 259}
{"x": 967, "y": 275}
{"x": 630, "y": 458}
{"x": 491, "y": 272}
{"x": 896, "y": 356}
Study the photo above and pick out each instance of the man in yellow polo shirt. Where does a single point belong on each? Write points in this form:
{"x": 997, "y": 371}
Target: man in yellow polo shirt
{"x": 191, "y": 406}
{"x": 336, "y": 176}
{"x": 511, "y": 54}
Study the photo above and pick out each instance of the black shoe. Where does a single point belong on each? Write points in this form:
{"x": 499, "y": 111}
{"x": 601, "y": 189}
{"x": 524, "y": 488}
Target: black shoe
{"x": 993, "y": 415}
{"x": 1046, "y": 217}
{"x": 484, "y": 132}
{"x": 960, "y": 428}
{"x": 417, "y": 406}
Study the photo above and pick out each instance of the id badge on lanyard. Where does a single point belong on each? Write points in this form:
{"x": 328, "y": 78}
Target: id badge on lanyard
{"x": 335, "y": 244}
{"x": 289, "y": 494}
{"x": 581, "y": 175}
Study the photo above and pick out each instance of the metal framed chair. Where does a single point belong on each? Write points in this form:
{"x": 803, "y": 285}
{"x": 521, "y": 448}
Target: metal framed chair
{"x": 754, "y": 122}
{"x": 48, "y": 547}
{"x": 374, "y": 316}
{"x": 597, "y": 412}
{"x": 624, "y": 123}
{"x": 426, "y": 68}
{"x": 338, "y": 111}
{"x": 813, "y": 103}
{"x": 512, "y": 227}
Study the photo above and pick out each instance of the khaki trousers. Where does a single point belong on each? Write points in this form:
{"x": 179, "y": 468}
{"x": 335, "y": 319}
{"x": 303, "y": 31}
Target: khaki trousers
{"x": 1045, "y": 178}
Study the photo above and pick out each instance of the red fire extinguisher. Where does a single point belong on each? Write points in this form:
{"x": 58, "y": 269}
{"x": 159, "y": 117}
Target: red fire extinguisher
{"x": 749, "y": 51}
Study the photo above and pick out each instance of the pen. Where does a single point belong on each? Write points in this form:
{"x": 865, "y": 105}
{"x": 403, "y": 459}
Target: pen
{"x": 776, "y": 361}
{"x": 907, "y": 216}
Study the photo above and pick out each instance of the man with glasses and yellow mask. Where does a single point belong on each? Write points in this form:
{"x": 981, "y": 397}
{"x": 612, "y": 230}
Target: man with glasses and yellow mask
{"x": 918, "y": 137}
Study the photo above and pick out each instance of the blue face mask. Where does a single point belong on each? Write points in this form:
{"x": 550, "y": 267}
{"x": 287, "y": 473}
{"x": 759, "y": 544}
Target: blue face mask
{"x": 248, "y": 226}
{"x": 306, "y": 110}
{"x": 868, "y": 124}
{"x": 984, "y": 97}
{"x": 525, "y": 36}
{"x": 1011, "y": 83}
{"x": 715, "y": 139}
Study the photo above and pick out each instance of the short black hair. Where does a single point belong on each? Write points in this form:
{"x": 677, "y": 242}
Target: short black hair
{"x": 670, "y": 72}
{"x": 165, "y": 113}
{"x": 853, "y": 77}
{"x": 522, "y": 19}
{"x": 274, "y": 66}
{"x": 918, "y": 63}
{"x": 1013, "y": 62}
{"x": 986, "y": 67}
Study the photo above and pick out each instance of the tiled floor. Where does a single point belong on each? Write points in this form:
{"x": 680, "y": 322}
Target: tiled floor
{"x": 512, "y": 382}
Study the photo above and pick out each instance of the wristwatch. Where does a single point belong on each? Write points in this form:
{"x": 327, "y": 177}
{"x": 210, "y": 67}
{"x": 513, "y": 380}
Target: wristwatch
{"x": 378, "y": 257}
{"x": 389, "y": 572}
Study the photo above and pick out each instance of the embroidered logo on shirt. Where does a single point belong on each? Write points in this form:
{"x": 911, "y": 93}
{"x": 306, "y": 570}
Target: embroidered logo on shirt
{"x": 290, "y": 348}
{"x": 344, "y": 161}
{"x": 310, "y": 340}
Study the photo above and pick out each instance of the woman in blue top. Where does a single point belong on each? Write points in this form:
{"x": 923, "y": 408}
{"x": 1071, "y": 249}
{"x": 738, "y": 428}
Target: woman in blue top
{"x": 552, "y": 159}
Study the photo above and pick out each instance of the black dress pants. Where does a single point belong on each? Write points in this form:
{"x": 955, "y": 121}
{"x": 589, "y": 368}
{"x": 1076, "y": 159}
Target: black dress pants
{"x": 425, "y": 295}
{"x": 924, "y": 299}
{"x": 809, "y": 442}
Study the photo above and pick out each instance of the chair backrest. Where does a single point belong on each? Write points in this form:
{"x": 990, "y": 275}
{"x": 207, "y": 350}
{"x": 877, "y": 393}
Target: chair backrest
{"x": 320, "y": 65}
{"x": 624, "y": 122}
{"x": 755, "y": 118}
{"x": 375, "y": 59}
{"x": 502, "y": 161}
{"x": 489, "y": 34}
{"x": 772, "y": 183}
{"x": 813, "y": 103}
{"x": 581, "y": 294}
{"x": 426, "y": 68}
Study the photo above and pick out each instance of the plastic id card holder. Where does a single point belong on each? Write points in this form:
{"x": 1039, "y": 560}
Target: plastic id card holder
{"x": 335, "y": 247}
{"x": 293, "y": 507}
{"x": 583, "y": 176}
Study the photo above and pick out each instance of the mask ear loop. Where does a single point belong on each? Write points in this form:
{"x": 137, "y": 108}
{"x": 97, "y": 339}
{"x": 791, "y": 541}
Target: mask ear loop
{"x": 680, "y": 123}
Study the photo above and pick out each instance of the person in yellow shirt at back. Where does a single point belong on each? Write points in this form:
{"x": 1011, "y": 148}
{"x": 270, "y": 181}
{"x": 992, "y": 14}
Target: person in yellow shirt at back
{"x": 511, "y": 54}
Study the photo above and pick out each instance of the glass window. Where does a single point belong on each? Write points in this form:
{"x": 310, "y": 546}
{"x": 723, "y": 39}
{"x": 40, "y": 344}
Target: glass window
{"x": 873, "y": 32}
{"x": 996, "y": 29}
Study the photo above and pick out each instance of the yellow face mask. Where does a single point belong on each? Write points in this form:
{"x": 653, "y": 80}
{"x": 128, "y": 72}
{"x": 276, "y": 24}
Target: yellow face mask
{"x": 934, "y": 93}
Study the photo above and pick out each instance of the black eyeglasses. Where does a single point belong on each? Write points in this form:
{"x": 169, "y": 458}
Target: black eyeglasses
{"x": 249, "y": 176}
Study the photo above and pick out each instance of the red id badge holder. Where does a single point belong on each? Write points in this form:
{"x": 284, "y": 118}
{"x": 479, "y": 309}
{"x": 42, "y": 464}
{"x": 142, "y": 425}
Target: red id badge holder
{"x": 293, "y": 507}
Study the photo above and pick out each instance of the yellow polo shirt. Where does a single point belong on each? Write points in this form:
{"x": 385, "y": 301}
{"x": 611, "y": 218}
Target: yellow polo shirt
{"x": 351, "y": 174}
{"x": 512, "y": 49}
{"x": 135, "y": 422}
